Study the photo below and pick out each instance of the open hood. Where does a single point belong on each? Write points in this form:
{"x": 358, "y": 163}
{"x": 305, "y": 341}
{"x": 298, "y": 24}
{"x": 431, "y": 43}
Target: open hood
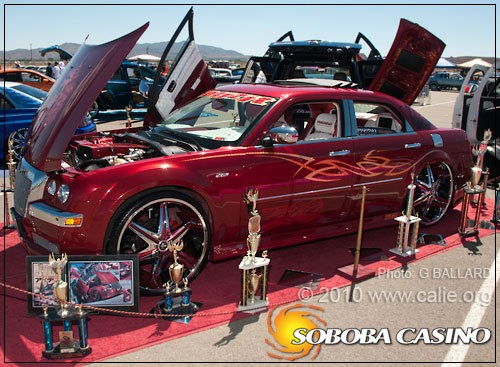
{"x": 63, "y": 54}
{"x": 70, "y": 98}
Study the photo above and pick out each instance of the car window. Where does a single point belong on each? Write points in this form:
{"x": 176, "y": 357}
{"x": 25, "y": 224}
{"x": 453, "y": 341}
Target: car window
{"x": 34, "y": 92}
{"x": 117, "y": 75}
{"x": 314, "y": 121}
{"x": 377, "y": 119}
{"x": 147, "y": 75}
{"x": 318, "y": 72}
{"x": 28, "y": 77}
{"x": 134, "y": 75}
{"x": 220, "y": 116}
{"x": 21, "y": 100}
{"x": 12, "y": 77}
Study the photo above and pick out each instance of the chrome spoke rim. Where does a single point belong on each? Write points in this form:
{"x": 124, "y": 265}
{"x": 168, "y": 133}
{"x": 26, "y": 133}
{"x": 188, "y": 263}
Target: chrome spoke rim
{"x": 156, "y": 224}
{"x": 434, "y": 191}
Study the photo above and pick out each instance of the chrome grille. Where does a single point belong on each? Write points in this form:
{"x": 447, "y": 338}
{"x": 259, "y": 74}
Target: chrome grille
{"x": 21, "y": 191}
{"x": 29, "y": 186}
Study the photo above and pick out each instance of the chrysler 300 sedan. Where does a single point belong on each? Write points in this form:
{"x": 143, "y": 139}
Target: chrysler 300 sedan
{"x": 308, "y": 146}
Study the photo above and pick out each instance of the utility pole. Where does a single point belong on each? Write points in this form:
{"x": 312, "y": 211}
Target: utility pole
{"x": 31, "y": 52}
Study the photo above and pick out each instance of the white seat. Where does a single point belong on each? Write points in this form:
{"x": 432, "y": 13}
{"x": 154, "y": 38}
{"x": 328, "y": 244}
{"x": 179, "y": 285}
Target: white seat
{"x": 324, "y": 127}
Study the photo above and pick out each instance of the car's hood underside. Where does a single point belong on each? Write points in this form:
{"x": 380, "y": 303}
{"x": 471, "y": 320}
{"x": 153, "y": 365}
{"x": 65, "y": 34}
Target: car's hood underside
{"x": 70, "y": 98}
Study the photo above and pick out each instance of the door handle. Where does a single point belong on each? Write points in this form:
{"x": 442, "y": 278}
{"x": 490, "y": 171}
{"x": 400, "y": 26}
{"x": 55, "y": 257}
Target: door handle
{"x": 414, "y": 145}
{"x": 339, "y": 153}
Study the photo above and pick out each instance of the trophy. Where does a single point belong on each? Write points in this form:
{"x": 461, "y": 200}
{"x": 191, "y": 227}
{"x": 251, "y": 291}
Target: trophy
{"x": 467, "y": 227}
{"x": 67, "y": 347}
{"x": 11, "y": 164}
{"x": 60, "y": 286}
{"x": 178, "y": 301}
{"x": 251, "y": 282}
{"x": 406, "y": 221}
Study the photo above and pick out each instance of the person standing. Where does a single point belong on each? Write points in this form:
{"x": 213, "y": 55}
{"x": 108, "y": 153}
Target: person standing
{"x": 56, "y": 71}
{"x": 49, "y": 70}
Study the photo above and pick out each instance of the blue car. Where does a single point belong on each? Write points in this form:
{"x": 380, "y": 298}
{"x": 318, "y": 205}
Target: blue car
{"x": 20, "y": 103}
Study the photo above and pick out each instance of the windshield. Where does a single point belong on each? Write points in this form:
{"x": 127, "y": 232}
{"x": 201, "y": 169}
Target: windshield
{"x": 220, "y": 116}
{"x": 34, "y": 92}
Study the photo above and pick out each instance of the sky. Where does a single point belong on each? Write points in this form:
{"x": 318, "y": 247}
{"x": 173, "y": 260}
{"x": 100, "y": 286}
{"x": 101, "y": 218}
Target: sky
{"x": 467, "y": 29}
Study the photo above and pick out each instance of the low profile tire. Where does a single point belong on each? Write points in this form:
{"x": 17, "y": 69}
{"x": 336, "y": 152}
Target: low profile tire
{"x": 139, "y": 230}
{"x": 433, "y": 193}
{"x": 16, "y": 141}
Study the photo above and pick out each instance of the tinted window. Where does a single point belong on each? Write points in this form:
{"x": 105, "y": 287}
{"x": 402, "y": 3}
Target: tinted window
{"x": 377, "y": 119}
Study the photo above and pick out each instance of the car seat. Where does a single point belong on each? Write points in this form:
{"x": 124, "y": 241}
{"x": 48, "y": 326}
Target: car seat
{"x": 325, "y": 127}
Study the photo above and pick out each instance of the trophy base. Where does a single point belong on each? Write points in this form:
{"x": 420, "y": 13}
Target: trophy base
{"x": 257, "y": 306}
{"x": 431, "y": 239}
{"x": 363, "y": 272}
{"x": 76, "y": 351}
{"x": 404, "y": 219}
{"x": 397, "y": 251}
{"x": 247, "y": 263}
{"x": 186, "y": 312}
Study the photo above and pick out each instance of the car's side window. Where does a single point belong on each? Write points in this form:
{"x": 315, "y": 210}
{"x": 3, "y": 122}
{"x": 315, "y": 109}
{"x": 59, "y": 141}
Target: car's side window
{"x": 13, "y": 77}
{"x": 314, "y": 121}
{"x": 376, "y": 119}
{"x": 117, "y": 75}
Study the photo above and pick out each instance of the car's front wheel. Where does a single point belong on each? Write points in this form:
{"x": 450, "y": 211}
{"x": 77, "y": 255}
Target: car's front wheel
{"x": 16, "y": 141}
{"x": 433, "y": 192}
{"x": 152, "y": 223}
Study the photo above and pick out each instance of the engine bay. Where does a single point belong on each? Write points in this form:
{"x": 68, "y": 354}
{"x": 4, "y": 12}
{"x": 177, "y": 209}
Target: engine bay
{"x": 110, "y": 149}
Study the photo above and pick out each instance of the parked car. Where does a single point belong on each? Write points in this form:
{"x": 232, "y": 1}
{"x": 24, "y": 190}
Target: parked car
{"x": 308, "y": 147}
{"x": 21, "y": 103}
{"x": 413, "y": 61}
{"x": 222, "y": 75}
{"x": 122, "y": 89}
{"x": 477, "y": 111}
{"x": 29, "y": 77}
{"x": 445, "y": 80}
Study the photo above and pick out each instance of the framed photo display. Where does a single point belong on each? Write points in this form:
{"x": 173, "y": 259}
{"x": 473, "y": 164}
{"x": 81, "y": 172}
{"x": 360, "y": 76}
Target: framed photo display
{"x": 104, "y": 281}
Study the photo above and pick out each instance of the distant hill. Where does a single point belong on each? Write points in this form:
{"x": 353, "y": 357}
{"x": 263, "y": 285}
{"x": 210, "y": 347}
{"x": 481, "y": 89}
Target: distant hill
{"x": 156, "y": 49}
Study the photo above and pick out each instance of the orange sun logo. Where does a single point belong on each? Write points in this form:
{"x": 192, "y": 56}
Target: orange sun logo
{"x": 285, "y": 323}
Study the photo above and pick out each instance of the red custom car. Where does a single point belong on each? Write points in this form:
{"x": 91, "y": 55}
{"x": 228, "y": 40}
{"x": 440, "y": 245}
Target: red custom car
{"x": 308, "y": 146}
{"x": 98, "y": 286}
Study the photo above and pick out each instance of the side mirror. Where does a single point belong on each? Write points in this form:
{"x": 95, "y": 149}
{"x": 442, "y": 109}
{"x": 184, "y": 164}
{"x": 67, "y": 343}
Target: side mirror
{"x": 283, "y": 134}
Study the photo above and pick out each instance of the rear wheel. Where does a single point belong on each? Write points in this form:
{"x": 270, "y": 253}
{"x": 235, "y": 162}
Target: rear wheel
{"x": 153, "y": 222}
{"x": 433, "y": 192}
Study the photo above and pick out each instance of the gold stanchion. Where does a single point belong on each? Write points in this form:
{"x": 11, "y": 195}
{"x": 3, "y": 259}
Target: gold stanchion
{"x": 356, "y": 271}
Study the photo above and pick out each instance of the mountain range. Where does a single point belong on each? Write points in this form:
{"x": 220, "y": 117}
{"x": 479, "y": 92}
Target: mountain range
{"x": 156, "y": 49}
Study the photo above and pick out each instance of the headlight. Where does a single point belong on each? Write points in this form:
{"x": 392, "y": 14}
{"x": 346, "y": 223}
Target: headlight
{"x": 63, "y": 193}
{"x": 51, "y": 187}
